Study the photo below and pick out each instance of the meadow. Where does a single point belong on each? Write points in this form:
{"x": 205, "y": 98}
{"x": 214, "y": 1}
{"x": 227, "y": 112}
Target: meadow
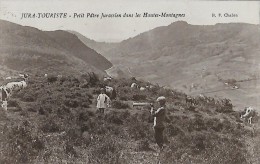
{"x": 54, "y": 120}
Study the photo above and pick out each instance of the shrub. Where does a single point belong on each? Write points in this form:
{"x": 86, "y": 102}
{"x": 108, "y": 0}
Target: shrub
{"x": 138, "y": 97}
{"x": 105, "y": 150}
{"x": 123, "y": 98}
{"x": 114, "y": 117}
{"x": 28, "y": 97}
{"x": 71, "y": 103}
{"x": 173, "y": 130}
{"x": 93, "y": 79}
{"x": 50, "y": 126}
{"x": 52, "y": 79}
{"x": 143, "y": 145}
{"x": 139, "y": 130}
{"x": 119, "y": 104}
{"x": 20, "y": 145}
{"x": 13, "y": 103}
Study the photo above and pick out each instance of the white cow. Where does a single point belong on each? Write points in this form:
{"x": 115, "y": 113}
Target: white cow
{"x": 109, "y": 89}
{"x": 8, "y": 78}
{"x": 45, "y": 75}
{"x": 111, "y": 92}
{"x": 249, "y": 114}
{"x": 4, "y": 105}
{"x": 107, "y": 79}
{"x": 16, "y": 86}
{"x": 134, "y": 85}
{"x": 24, "y": 84}
{"x": 24, "y": 76}
{"x": 142, "y": 88}
{"x": 3, "y": 97}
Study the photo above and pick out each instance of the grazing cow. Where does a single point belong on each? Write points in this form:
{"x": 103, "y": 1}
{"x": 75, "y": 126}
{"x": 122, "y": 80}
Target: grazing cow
{"x": 16, "y": 86}
{"x": 23, "y": 75}
{"x": 235, "y": 87}
{"x": 4, "y": 95}
{"x": 249, "y": 113}
{"x": 111, "y": 92}
{"x": 149, "y": 86}
{"x": 134, "y": 85}
{"x": 45, "y": 75}
{"x": 202, "y": 96}
{"x": 107, "y": 79}
{"x": 8, "y": 78}
{"x": 142, "y": 88}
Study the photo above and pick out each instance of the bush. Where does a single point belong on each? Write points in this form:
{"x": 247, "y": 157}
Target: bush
{"x": 52, "y": 79}
{"x": 71, "y": 103}
{"x": 143, "y": 145}
{"x": 28, "y": 97}
{"x": 138, "y": 97}
{"x": 173, "y": 130}
{"x": 105, "y": 150}
{"x": 20, "y": 145}
{"x": 50, "y": 126}
{"x": 139, "y": 130}
{"x": 13, "y": 103}
{"x": 119, "y": 104}
{"x": 114, "y": 117}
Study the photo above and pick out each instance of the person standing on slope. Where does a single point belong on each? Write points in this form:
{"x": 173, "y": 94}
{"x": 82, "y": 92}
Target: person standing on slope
{"x": 102, "y": 101}
{"x": 159, "y": 119}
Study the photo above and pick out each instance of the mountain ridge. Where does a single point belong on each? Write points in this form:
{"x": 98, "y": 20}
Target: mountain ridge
{"x": 26, "y": 48}
{"x": 193, "y": 58}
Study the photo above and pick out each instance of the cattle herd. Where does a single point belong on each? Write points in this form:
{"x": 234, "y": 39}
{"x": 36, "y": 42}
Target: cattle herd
{"x": 21, "y": 83}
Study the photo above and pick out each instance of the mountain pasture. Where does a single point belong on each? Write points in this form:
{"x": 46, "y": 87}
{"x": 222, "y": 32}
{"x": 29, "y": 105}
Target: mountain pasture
{"x": 56, "y": 122}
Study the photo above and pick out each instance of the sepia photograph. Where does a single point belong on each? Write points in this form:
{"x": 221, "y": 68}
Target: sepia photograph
{"x": 129, "y": 82}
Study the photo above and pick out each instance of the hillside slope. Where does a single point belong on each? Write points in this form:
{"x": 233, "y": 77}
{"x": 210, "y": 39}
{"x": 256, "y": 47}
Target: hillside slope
{"x": 56, "y": 120}
{"x": 29, "y": 49}
{"x": 195, "y": 58}
{"x": 100, "y": 47}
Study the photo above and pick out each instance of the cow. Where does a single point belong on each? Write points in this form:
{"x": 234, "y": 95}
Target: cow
{"x": 111, "y": 92}
{"x": 16, "y": 86}
{"x": 4, "y": 96}
{"x": 107, "y": 79}
{"x": 248, "y": 114}
{"x": 8, "y": 78}
{"x": 142, "y": 88}
{"x": 45, "y": 75}
{"x": 134, "y": 85}
{"x": 24, "y": 77}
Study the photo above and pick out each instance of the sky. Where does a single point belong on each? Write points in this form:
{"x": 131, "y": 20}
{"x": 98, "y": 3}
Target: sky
{"x": 118, "y": 29}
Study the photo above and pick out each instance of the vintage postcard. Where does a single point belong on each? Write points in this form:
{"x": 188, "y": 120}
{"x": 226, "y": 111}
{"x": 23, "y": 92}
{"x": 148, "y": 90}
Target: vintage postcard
{"x": 141, "y": 81}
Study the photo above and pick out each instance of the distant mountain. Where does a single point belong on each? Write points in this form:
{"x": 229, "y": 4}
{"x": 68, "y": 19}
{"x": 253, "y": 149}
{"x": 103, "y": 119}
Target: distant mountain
{"x": 100, "y": 47}
{"x": 28, "y": 49}
{"x": 195, "y": 58}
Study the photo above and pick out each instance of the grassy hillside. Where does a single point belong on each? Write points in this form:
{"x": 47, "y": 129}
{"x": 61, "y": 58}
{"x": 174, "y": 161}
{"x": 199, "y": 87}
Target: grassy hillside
{"x": 100, "y": 47}
{"x": 55, "y": 121}
{"x": 195, "y": 58}
{"x": 29, "y": 49}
